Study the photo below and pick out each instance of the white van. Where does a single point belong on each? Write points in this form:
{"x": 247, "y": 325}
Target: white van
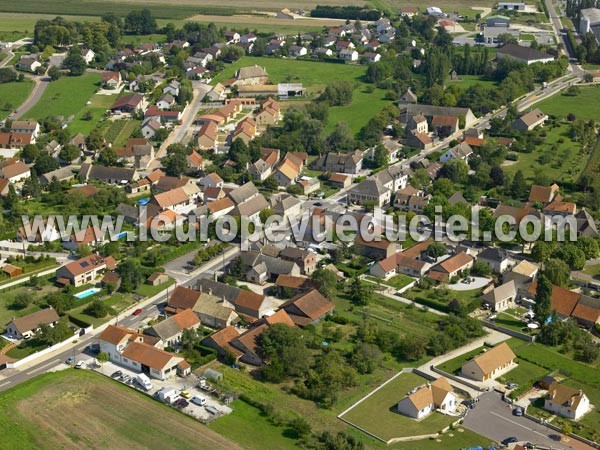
{"x": 143, "y": 381}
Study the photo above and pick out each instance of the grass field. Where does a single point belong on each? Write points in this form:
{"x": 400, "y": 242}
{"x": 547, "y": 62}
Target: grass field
{"x": 440, "y": 298}
{"x": 378, "y": 413}
{"x": 98, "y": 106}
{"x": 65, "y": 97}
{"x": 397, "y": 281}
{"x": 75, "y": 409}
{"x": 584, "y": 105}
{"x": 13, "y": 94}
{"x": 466, "y": 81}
{"x": 560, "y": 160}
{"x": 314, "y": 76}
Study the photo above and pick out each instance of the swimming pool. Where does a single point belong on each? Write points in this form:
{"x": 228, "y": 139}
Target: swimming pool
{"x": 87, "y": 293}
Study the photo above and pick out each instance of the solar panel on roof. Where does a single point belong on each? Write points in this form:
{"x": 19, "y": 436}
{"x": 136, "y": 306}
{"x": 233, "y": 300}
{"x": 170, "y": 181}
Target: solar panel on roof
{"x": 84, "y": 264}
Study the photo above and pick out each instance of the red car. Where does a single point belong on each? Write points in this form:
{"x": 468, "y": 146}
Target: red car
{"x": 137, "y": 312}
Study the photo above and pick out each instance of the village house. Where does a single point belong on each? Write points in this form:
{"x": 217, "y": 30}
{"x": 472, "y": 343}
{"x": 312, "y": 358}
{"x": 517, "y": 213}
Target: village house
{"x": 111, "y": 80}
{"x": 27, "y": 326}
{"x": 251, "y": 75}
{"x": 170, "y": 330}
{"x": 25, "y": 127}
{"x": 150, "y": 127}
{"x": 529, "y": 121}
{"x": 129, "y": 103}
{"x": 566, "y": 401}
{"x": 496, "y": 258}
{"x": 489, "y": 364}
{"x": 308, "y": 308}
{"x": 424, "y": 400}
{"x": 110, "y": 175}
{"x": 461, "y": 152}
{"x": 369, "y": 191}
{"x": 131, "y": 349}
{"x": 543, "y": 194}
{"x": 85, "y": 270}
{"x": 523, "y": 54}
{"x": 451, "y": 267}
{"x": 305, "y": 259}
{"x": 374, "y": 249}
{"x": 172, "y": 88}
{"x": 91, "y": 236}
{"x": 28, "y": 64}
{"x": 14, "y": 170}
{"x": 501, "y": 297}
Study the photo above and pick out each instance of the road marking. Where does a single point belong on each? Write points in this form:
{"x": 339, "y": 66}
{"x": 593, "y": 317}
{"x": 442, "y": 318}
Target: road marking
{"x": 518, "y": 424}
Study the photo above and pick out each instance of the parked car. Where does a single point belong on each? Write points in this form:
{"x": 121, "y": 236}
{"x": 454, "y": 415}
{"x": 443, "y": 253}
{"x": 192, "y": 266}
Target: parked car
{"x": 211, "y": 410}
{"x": 117, "y": 374}
{"x": 80, "y": 365}
{"x": 181, "y": 403}
{"x": 185, "y": 394}
{"x": 124, "y": 378}
{"x": 197, "y": 400}
{"x": 509, "y": 440}
{"x": 511, "y": 385}
{"x": 70, "y": 360}
{"x": 518, "y": 411}
{"x": 137, "y": 312}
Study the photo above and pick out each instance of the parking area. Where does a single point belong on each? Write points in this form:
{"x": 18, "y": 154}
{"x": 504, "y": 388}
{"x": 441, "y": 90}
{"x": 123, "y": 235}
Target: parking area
{"x": 494, "y": 419}
{"x": 185, "y": 388}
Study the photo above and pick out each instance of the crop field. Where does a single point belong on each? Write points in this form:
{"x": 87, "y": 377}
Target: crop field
{"x": 81, "y": 409}
{"x": 65, "y": 97}
{"x": 266, "y": 23}
{"x": 12, "y": 95}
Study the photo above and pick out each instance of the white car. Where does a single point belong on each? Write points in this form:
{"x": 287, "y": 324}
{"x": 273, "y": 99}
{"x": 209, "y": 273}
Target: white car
{"x": 80, "y": 365}
{"x": 197, "y": 400}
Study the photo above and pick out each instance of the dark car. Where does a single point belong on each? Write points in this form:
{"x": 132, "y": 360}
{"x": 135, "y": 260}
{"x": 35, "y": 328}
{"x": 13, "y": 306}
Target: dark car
{"x": 509, "y": 440}
{"x": 116, "y": 374}
{"x": 181, "y": 403}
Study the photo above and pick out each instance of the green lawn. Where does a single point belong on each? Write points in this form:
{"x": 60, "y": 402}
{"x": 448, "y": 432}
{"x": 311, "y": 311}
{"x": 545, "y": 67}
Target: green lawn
{"x": 441, "y": 297}
{"x": 364, "y": 106}
{"x": 249, "y": 427}
{"x": 592, "y": 270}
{"x": 97, "y": 107}
{"x": 314, "y": 76}
{"x": 13, "y": 94}
{"x": 7, "y": 312}
{"x": 584, "y": 105}
{"x": 558, "y": 158}
{"x": 466, "y": 81}
{"x": 453, "y": 366}
{"x": 66, "y": 97}
{"x": 579, "y": 375}
{"x": 397, "y": 281}
{"x": 378, "y": 413}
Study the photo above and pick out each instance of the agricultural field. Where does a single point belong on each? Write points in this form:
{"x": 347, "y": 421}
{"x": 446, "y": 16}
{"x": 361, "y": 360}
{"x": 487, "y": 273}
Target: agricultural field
{"x": 65, "y": 97}
{"x": 71, "y": 409}
{"x": 266, "y": 23}
{"x": 118, "y": 131}
{"x": 584, "y": 105}
{"x": 559, "y": 158}
{"x": 12, "y": 95}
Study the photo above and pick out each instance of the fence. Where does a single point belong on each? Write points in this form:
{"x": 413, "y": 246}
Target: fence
{"x": 33, "y": 356}
{"x": 458, "y": 380}
{"x": 513, "y": 333}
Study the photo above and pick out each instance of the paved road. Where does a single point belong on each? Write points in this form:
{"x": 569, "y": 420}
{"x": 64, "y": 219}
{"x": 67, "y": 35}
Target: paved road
{"x": 41, "y": 83}
{"x": 493, "y": 419}
{"x": 178, "y": 134}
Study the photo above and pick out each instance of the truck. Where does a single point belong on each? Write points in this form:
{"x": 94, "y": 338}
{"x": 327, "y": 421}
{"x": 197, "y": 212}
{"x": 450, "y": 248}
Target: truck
{"x": 143, "y": 380}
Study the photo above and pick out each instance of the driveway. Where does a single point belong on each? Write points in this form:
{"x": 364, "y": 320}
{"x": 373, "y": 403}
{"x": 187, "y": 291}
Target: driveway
{"x": 493, "y": 419}
{"x": 41, "y": 83}
{"x": 479, "y": 283}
